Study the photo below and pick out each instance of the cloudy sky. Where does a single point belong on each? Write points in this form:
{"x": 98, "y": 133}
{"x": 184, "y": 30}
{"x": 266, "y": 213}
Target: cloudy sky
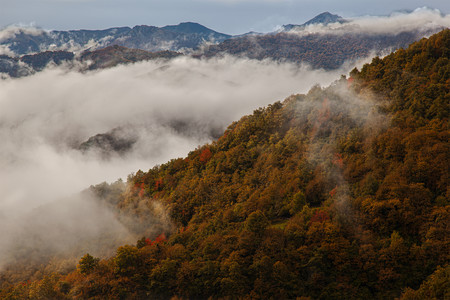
{"x": 227, "y": 16}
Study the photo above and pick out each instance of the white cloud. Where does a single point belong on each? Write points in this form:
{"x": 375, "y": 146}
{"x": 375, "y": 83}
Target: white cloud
{"x": 5, "y": 50}
{"x": 421, "y": 19}
{"x": 12, "y": 31}
{"x": 43, "y": 116}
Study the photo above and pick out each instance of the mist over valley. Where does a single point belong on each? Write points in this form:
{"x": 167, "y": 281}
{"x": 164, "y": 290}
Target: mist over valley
{"x": 63, "y": 130}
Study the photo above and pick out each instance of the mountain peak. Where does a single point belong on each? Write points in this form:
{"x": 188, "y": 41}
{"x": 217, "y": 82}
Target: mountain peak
{"x": 325, "y": 18}
{"x": 190, "y": 28}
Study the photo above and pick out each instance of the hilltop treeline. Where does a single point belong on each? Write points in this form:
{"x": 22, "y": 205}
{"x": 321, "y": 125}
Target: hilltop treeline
{"x": 341, "y": 193}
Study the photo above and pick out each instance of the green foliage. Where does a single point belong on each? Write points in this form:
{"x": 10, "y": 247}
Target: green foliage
{"x": 256, "y": 222}
{"x": 87, "y": 264}
{"x": 127, "y": 260}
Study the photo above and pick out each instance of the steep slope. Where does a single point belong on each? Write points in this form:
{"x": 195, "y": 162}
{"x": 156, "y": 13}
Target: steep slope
{"x": 338, "y": 194}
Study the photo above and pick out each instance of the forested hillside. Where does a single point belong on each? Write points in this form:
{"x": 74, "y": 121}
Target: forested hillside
{"x": 341, "y": 193}
{"x": 329, "y": 51}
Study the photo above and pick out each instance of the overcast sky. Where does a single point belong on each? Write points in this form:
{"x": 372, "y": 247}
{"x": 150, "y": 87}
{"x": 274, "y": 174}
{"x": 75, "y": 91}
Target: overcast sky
{"x": 227, "y": 16}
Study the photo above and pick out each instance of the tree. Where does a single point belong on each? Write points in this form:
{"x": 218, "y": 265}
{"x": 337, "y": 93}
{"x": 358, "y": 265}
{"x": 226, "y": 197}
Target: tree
{"x": 256, "y": 222}
{"x": 87, "y": 264}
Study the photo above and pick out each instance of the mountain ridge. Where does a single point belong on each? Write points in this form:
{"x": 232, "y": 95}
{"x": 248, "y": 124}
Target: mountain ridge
{"x": 322, "y": 48}
{"x": 145, "y": 37}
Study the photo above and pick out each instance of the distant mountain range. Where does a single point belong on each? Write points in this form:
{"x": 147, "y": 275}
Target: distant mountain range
{"x": 174, "y": 37}
{"x": 30, "y": 50}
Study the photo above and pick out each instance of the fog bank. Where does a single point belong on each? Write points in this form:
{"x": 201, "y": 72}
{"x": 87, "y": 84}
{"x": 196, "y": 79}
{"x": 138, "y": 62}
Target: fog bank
{"x": 167, "y": 108}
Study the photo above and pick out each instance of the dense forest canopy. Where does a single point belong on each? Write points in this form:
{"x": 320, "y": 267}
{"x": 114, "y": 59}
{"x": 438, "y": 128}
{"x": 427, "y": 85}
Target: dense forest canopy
{"x": 341, "y": 193}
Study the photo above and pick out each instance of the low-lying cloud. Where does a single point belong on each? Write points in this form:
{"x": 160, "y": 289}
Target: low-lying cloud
{"x": 13, "y": 31}
{"x": 422, "y": 20}
{"x": 167, "y": 108}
